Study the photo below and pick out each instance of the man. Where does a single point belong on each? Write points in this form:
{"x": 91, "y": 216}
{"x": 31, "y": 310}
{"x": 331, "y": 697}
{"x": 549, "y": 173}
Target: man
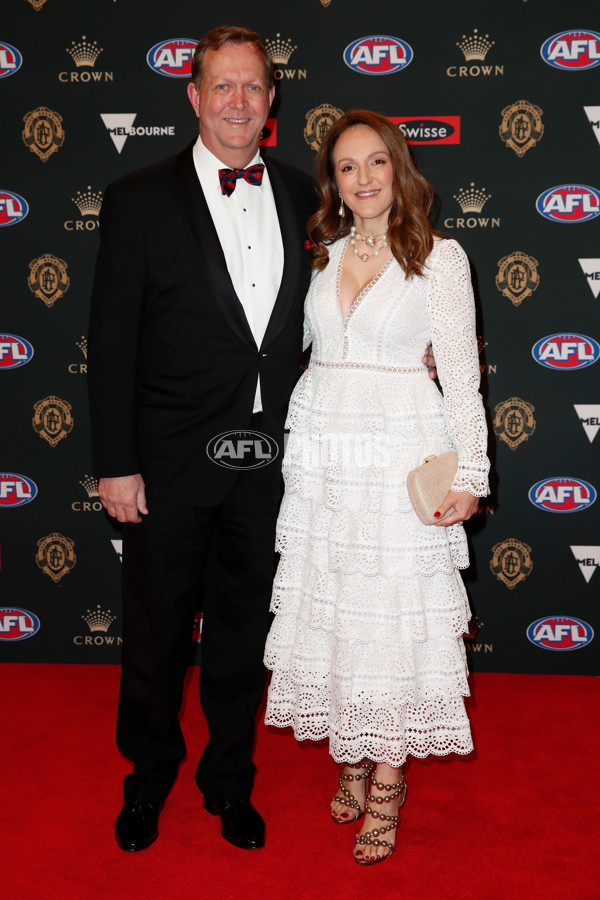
{"x": 195, "y": 331}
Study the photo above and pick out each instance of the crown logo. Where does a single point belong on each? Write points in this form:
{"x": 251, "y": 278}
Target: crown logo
{"x": 98, "y": 619}
{"x": 82, "y": 344}
{"x": 472, "y": 199}
{"x": 90, "y": 485}
{"x": 84, "y": 53}
{"x": 89, "y": 202}
{"x": 476, "y": 46}
{"x": 481, "y": 344}
{"x": 279, "y": 50}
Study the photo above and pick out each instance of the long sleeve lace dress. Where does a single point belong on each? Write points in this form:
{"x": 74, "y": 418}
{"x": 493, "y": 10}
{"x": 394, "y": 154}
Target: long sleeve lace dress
{"x": 366, "y": 646}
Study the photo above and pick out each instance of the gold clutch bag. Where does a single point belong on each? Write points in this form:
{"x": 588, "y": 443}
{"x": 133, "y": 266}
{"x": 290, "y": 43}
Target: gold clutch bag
{"x": 428, "y": 484}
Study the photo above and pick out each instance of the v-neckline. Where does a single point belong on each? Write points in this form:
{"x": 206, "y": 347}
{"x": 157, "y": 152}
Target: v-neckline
{"x": 364, "y": 290}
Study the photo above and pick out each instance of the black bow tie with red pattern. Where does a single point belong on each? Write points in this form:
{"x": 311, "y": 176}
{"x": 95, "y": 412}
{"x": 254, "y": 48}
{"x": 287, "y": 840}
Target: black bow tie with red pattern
{"x": 228, "y": 177}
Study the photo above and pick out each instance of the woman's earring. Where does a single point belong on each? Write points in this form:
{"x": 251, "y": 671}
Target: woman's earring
{"x": 341, "y": 210}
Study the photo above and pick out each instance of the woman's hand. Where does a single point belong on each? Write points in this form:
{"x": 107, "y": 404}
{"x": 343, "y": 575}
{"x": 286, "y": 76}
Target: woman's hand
{"x": 464, "y": 504}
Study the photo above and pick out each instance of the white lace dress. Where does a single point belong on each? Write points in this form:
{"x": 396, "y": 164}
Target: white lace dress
{"x": 366, "y": 647}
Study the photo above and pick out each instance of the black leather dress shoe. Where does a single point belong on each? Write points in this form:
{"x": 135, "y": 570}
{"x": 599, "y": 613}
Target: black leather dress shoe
{"x": 241, "y": 825}
{"x": 137, "y": 825}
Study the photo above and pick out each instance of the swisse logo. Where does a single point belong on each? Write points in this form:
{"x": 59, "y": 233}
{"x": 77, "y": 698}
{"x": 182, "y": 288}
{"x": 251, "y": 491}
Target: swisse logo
{"x": 434, "y": 130}
{"x": 10, "y": 60}
{"x": 15, "y": 351}
{"x": 242, "y": 450}
{"x": 560, "y": 633}
{"x": 16, "y": 490}
{"x": 570, "y": 203}
{"x": 562, "y": 494}
{"x": 13, "y": 208}
{"x": 17, "y": 624}
{"x": 566, "y": 351}
{"x": 572, "y": 50}
{"x": 172, "y": 57}
{"x": 378, "y": 54}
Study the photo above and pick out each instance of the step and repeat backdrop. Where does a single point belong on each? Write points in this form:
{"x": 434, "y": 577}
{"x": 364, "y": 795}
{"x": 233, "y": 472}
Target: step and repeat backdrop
{"x": 501, "y": 104}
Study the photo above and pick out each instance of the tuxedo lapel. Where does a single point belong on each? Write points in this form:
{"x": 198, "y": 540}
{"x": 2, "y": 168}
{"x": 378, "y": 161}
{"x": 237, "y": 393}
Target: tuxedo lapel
{"x": 292, "y": 244}
{"x": 207, "y": 241}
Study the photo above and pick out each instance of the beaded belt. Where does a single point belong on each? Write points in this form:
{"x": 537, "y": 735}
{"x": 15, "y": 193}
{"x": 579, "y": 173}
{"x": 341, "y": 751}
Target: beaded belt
{"x": 369, "y": 366}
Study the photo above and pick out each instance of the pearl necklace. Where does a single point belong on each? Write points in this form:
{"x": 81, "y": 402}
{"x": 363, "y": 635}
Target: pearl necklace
{"x": 370, "y": 240}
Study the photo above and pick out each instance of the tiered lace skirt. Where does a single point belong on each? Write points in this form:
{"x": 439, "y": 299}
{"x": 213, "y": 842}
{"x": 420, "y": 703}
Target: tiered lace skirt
{"x": 366, "y": 647}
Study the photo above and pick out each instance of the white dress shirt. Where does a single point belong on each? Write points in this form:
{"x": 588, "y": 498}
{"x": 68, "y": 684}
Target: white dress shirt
{"x": 250, "y": 237}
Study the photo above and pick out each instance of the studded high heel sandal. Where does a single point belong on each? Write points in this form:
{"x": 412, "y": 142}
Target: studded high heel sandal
{"x": 374, "y": 838}
{"x": 349, "y": 799}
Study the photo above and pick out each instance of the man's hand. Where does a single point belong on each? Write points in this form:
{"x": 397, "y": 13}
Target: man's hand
{"x": 123, "y": 498}
{"x": 429, "y": 361}
{"x": 463, "y": 506}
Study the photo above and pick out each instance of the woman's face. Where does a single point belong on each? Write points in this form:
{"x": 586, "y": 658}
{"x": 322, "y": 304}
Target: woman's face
{"x": 364, "y": 175}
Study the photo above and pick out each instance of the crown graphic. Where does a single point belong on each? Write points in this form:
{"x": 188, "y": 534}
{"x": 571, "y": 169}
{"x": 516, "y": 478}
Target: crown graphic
{"x": 472, "y": 199}
{"x": 84, "y": 53}
{"x": 82, "y": 344}
{"x": 280, "y": 51}
{"x": 89, "y": 202}
{"x": 476, "y": 46}
{"x": 90, "y": 485}
{"x": 98, "y": 619}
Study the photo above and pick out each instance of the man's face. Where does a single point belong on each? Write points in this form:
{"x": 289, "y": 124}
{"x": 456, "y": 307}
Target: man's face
{"x": 233, "y": 102}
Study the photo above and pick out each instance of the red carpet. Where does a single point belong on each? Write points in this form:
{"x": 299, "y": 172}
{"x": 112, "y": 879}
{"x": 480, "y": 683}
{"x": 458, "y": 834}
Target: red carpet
{"x": 519, "y": 819}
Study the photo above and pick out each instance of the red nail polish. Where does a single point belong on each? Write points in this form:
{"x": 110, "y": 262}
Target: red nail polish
{"x": 436, "y": 515}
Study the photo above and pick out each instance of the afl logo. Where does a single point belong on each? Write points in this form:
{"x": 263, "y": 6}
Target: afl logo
{"x": 13, "y": 208}
{"x": 16, "y": 490}
{"x": 572, "y": 50}
{"x": 566, "y": 351}
{"x": 172, "y": 58}
{"x": 562, "y": 494}
{"x": 10, "y": 59}
{"x": 378, "y": 54}
{"x": 569, "y": 203}
{"x": 560, "y": 633}
{"x": 242, "y": 450}
{"x": 17, "y": 624}
{"x": 15, "y": 351}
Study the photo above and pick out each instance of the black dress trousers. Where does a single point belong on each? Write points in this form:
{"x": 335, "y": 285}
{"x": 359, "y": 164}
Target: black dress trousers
{"x": 164, "y": 562}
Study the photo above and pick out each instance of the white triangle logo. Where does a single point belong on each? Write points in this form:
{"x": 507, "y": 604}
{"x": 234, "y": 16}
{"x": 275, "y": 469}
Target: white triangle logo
{"x": 118, "y": 125}
{"x": 588, "y": 559}
{"x": 591, "y": 269}
{"x": 589, "y": 416}
{"x": 118, "y": 546}
{"x": 593, "y": 114}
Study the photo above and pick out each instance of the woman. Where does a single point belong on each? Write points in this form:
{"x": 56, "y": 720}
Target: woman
{"x": 366, "y": 646}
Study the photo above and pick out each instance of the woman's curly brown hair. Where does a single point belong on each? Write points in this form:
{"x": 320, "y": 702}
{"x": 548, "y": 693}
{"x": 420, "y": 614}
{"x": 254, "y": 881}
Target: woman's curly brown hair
{"x": 410, "y": 232}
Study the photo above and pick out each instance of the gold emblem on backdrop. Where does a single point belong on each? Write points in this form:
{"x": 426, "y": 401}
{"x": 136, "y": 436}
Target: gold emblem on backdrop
{"x": 472, "y": 199}
{"x": 88, "y": 202}
{"x": 517, "y": 276}
{"x": 48, "y": 278}
{"x": 84, "y": 52}
{"x": 514, "y": 421}
{"x": 55, "y": 555}
{"x": 37, "y": 4}
{"x": 325, "y": 2}
{"x": 521, "y": 126}
{"x": 43, "y": 132}
{"x": 99, "y": 619}
{"x": 511, "y": 562}
{"x": 90, "y": 485}
{"x": 476, "y": 46}
{"x": 280, "y": 50}
{"x": 52, "y": 420}
{"x": 318, "y": 121}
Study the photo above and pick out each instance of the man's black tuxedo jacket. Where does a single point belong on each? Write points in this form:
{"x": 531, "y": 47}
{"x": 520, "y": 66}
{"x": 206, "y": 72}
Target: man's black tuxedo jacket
{"x": 172, "y": 362}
